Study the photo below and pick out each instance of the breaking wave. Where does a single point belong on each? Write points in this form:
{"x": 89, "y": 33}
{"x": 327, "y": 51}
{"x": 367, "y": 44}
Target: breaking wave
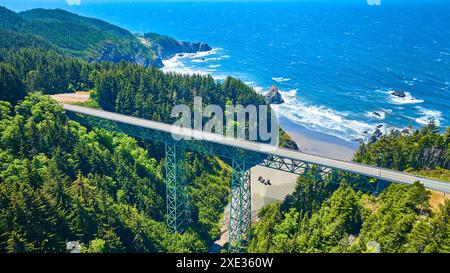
{"x": 427, "y": 115}
{"x": 322, "y": 119}
{"x": 408, "y": 99}
{"x": 280, "y": 79}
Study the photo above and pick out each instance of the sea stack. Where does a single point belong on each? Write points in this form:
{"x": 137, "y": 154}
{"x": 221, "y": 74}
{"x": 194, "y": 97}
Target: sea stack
{"x": 399, "y": 94}
{"x": 274, "y": 96}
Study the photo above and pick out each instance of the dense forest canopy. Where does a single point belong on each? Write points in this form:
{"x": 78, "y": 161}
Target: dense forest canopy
{"x": 317, "y": 217}
{"x": 101, "y": 189}
{"x": 61, "y": 181}
{"x": 124, "y": 87}
{"x": 87, "y": 38}
{"x": 423, "y": 151}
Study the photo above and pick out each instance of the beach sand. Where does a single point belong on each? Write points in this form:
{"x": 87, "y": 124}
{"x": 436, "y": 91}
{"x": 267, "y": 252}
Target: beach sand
{"x": 319, "y": 143}
{"x": 283, "y": 183}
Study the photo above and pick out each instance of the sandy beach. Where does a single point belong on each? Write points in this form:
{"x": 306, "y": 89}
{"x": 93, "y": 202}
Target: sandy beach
{"x": 313, "y": 142}
{"x": 283, "y": 183}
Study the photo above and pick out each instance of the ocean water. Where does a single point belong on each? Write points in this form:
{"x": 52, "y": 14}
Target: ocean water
{"x": 335, "y": 62}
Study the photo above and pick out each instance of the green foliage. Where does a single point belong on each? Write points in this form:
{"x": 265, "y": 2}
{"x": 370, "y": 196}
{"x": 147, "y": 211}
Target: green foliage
{"x": 424, "y": 149}
{"x": 438, "y": 173}
{"x": 150, "y": 93}
{"x": 61, "y": 182}
{"x": 431, "y": 235}
{"x": 90, "y": 39}
{"x": 263, "y": 232}
{"x": 316, "y": 219}
{"x": 319, "y": 228}
{"x": 400, "y": 207}
{"x": 9, "y": 19}
{"x": 47, "y": 71}
{"x": 12, "y": 40}
{"x": 12, "y": 88}
{"x": 286, "y": 141}
{"x": 95, "y": 246}
{"x": 310, "y": 192}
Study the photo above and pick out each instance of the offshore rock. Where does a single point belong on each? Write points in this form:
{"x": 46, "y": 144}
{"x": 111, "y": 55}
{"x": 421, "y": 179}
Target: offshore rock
{"x": 399, "y": 94}
{"x": 274, "y": 96}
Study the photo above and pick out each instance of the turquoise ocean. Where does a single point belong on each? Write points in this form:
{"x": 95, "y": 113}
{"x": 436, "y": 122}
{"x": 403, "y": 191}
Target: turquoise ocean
{"x": 335, "y": 62}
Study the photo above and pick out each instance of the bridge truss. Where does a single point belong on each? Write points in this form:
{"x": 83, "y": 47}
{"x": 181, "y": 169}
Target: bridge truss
{"x": 178, "y": 213}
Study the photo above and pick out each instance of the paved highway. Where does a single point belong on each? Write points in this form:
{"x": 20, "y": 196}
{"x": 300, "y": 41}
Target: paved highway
{"x": 366, "y": 170}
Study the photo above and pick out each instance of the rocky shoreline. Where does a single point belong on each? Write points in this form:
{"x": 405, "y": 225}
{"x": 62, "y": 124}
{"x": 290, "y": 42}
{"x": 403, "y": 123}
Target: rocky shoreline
{"x": 273, "y": 96}
{"x": 166, "y": 47}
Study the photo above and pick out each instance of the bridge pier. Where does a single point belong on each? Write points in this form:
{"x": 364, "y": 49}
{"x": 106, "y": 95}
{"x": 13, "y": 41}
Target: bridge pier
{"x": 240, "y": 207}
{"x": 178, "y": 213}
{"x": 177, "y": 200}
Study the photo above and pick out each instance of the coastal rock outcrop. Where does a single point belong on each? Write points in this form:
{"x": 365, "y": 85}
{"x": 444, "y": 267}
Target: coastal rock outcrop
{"x": 109, "y": 53}
{"x": 166, "y": 47}
{"x": 375, "y": 136}
{"x": 398, "y": 93}
{"x": 274, "y": 96}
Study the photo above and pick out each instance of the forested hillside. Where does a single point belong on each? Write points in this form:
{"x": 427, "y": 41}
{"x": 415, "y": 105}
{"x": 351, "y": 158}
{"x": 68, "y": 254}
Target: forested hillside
{"x": 424, "y": 151}
{"x": 61, "y": 182}
{"x": 317, "y": 217}
{"x": 87, "y": 38}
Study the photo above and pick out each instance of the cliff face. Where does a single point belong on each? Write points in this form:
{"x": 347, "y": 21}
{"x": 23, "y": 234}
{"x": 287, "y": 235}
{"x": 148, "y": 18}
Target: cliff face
{"x": 88, "y": 38}
{"x": 109, "y": 53}
{"x": 166, "y": 47}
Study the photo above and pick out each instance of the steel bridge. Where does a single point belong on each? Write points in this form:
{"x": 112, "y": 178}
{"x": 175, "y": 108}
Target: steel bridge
{"x": 243, "y": 155}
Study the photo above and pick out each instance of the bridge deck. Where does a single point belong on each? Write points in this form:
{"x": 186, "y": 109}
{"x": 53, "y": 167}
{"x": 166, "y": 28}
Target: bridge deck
{"x": 365, "y": 170}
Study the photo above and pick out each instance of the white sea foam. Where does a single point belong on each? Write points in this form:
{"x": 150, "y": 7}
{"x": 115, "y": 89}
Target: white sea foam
{"x": 289, "y": 96}
{"x": 314, "y": 117}
{"x": 323, "y": 119}
{"x": 408, "y": 99}
{"x": 175, "y": 64}
{"x": 381, "y": 115}
{"x": 280, "y": 79}
{"x": 290, "y": 93}
{"x": 427, "y": 115}
{"x": 202, "y": 53}
{"x": 204, "y": 60}
{"x": 260, "y": 90}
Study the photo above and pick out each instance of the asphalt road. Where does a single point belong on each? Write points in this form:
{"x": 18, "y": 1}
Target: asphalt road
{"x": 366, "y": 170}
